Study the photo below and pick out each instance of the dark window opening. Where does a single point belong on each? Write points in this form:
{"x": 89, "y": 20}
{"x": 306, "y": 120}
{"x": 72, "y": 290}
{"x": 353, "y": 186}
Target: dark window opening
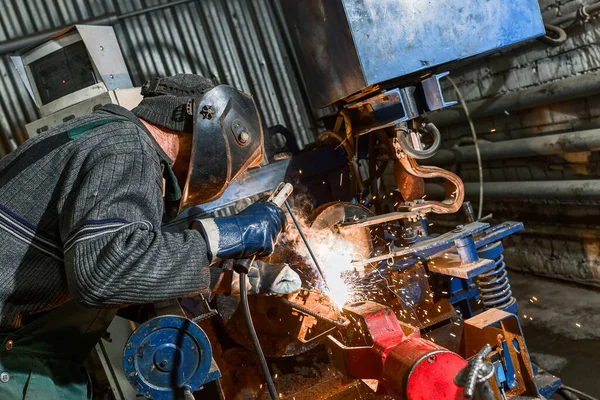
{"x": 62, "y": 72}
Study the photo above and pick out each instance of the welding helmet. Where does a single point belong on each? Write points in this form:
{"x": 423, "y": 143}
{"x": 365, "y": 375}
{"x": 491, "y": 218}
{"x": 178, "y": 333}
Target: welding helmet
{"x": 226, "y": 127}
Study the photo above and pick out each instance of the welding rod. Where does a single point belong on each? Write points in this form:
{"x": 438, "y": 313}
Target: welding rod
{"x": 312, "y": 255}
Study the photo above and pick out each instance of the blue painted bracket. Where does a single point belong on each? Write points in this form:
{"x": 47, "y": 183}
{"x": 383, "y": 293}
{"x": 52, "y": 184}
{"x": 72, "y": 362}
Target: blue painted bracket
{"x": 167, "y": 355}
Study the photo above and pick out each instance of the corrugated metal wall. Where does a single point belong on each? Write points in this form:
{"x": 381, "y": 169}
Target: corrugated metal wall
{"x": 241, "y": 42}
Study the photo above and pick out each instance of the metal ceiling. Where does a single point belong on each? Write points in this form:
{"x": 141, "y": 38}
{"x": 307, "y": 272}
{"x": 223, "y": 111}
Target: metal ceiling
{"x": 241, "y": 42}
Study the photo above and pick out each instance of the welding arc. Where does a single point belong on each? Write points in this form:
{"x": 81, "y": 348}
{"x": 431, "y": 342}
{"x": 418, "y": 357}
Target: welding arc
{"x": 312, "y": 255}
{"x": 253, "y": 337}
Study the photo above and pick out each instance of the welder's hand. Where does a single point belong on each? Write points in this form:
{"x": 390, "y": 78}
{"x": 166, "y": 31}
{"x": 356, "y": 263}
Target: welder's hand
{"x": 253, "y": 231}
{"x": 268, "y": 279}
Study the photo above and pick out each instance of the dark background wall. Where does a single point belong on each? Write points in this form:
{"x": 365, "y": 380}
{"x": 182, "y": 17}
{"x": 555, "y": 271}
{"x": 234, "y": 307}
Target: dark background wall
{"x": 241, "y": 42}
{"x": 561, "y": 236}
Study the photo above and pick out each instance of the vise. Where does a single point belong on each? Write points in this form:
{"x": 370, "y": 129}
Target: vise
{"x": 404, "y": 364}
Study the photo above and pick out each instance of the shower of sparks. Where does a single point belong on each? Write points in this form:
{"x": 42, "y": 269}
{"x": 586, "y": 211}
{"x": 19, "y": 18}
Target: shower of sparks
{"x": 347, "y": 283}
{"x": 335, "y": 255}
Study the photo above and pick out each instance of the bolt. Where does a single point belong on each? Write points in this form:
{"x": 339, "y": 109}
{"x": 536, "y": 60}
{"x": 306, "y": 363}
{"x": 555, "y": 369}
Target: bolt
{"x": 4, "y": 377}
{"x": 431, "y": 359}
{"x": 101, "y": 48}
{"x": 243, "y": 137}
{"x": 207, "y": 112}
{"x": 458, "y": 228}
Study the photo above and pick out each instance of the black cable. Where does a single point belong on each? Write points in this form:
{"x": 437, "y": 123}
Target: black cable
{"x": 566, "y": 395}
{"x": 254, "y": 338}
{"x": 578, "y": 392}
{"x": 463, "y": 104}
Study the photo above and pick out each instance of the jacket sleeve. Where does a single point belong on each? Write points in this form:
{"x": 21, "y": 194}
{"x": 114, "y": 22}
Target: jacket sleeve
{"x": 114, "y": 250}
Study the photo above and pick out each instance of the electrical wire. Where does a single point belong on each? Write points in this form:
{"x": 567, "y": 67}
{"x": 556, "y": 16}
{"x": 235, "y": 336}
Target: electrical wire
{"x": 254, "y": 338}
{"x": 566, "y": 395}
{"x": 579, "y": 393}
{"x": 475, "y": 143}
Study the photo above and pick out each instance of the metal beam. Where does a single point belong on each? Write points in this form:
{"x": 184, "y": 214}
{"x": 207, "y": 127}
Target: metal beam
{"x": 532, "y": 229}
{"x": 575, "y": 87}
{"x": 22, "y": 42}
{"x": 551, "y": 190}
{"x": 588, "y": 140}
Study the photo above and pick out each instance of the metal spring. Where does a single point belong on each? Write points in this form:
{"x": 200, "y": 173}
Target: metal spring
{"x": 494, "y": 286}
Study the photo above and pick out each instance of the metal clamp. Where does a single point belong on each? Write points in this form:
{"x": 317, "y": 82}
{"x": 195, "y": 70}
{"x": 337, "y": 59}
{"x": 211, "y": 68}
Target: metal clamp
{"x": 457, "y": 193}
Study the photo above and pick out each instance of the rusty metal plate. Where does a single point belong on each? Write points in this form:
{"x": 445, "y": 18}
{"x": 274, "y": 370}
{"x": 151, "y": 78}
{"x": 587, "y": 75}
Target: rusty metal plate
{"x": 451, "y": 265}
{"x": 282, "y": 330}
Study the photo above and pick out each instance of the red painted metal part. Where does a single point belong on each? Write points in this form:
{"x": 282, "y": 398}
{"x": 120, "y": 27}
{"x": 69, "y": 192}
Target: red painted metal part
{"x": 406, "y": 365}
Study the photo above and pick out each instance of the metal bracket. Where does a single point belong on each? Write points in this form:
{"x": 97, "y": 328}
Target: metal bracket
{"x": 452, "y": 265}
{"x": 391, "y": 107}
{"x": 494, "y": 327}
{"x": 433, "y": 92}
{"x": 429, "y": 247}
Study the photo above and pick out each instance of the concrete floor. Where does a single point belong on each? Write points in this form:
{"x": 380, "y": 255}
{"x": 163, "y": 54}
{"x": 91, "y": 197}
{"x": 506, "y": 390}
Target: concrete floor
{"x": 562, "y": 328}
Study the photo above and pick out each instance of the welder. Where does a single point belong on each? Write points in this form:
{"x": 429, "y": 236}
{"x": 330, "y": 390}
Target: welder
{"x": 81, "y": 208}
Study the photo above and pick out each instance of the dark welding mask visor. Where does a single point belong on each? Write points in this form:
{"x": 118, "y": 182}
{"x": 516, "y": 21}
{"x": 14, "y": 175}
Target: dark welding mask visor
{"x": 228, "y": 139}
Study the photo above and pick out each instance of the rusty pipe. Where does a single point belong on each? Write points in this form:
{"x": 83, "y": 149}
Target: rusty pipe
{"x": 568, "y": 190}
{"x": 588, "y": 140}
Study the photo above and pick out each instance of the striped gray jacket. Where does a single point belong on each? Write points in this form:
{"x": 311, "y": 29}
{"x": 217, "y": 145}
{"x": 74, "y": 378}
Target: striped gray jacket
{"x": 80, "y": 216}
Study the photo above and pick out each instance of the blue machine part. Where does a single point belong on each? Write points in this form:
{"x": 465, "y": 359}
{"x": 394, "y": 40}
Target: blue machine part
{"x": 494, "y": 289}
{"x": 460, "y": 294}
{"x": 167, "y": 355}
{"x": 398, "y": 37}
{"x": 546, "y": 383}
{"x": 466, "y": 249}
{"x": 344, "y": 46}
{"x": 509, "y": 368}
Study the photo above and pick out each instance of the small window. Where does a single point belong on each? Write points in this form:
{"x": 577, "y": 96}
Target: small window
{"x": 62, "y": 72}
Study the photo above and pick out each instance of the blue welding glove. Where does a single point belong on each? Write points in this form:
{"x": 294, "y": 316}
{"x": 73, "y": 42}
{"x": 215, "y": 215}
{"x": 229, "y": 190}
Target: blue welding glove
{"x": 253, "y": 231}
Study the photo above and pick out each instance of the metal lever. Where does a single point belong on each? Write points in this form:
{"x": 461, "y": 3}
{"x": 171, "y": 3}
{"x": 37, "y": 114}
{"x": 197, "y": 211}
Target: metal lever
{"x": 280, "y": 194}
